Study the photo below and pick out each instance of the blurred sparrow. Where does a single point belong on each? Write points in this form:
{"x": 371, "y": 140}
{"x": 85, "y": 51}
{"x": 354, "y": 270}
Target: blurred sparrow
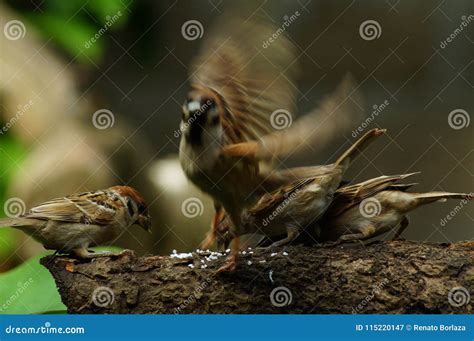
{"x": 73, "y": 223}
{"x": 374, "y": 207}
{"x": 240, "y": 94}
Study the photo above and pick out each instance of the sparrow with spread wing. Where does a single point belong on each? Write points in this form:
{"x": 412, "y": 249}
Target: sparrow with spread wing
{"x": 237, "y": 89}
{"x": 73, "y": 223}
{"x": 235, "y": 86}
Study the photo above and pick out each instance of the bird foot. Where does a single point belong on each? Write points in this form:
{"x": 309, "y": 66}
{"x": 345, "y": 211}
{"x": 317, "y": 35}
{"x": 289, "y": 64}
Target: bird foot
{"x": 229, "y": 266}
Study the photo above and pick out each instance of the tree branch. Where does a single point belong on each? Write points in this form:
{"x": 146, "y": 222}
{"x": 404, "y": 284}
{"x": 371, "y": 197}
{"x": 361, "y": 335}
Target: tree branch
{"x": 384, "y": 277}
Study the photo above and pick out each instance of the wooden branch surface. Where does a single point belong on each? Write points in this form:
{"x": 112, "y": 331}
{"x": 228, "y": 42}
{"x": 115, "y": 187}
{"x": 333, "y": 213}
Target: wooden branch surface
{"x": 384, "y": 277}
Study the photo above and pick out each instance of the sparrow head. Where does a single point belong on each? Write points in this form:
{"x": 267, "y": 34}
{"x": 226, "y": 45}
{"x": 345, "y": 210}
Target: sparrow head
{"x": 136, "y": 206}
{"x": 201, "y": 116}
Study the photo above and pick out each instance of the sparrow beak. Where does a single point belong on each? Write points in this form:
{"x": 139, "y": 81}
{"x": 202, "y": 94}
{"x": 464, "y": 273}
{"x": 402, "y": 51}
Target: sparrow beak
{"x": 144, "y": 221}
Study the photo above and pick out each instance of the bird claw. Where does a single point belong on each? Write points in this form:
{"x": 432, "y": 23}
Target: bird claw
{"x": 229, "y": 266}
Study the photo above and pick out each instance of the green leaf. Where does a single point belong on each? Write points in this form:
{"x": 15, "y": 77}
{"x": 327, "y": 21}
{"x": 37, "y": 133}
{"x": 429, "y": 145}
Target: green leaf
{"x": 11, "y": 155}
{"x": 28, "y": 289}
{"x": 74, "y": 36}
{"x": 108, "y": 8}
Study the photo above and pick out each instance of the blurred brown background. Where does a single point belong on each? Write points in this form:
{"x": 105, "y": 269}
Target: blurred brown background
{"x": 138, "y": 68}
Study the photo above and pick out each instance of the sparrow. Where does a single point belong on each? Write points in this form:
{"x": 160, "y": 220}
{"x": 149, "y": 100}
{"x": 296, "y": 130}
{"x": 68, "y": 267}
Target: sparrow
{"x": 237, "y": 92}
{"x": 294, "y": 207}
{"x": 374, "y": 207}
{"x": 359, "y": 212}
{"x": 73, "y": 223}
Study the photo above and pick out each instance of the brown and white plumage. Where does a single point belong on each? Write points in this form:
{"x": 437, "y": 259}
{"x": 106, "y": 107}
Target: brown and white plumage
{"x": 334, "y": 115}
{"x": 252, "y": 82}
{"x": 297, "y": 205}
{"x": 236, "y": 87}
{"x": 374, "y": 207}
{"x": 73, "y": 223}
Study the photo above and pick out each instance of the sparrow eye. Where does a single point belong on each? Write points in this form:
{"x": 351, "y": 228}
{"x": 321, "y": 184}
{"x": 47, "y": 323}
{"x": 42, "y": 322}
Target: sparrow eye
{"x": 141, "y": 208}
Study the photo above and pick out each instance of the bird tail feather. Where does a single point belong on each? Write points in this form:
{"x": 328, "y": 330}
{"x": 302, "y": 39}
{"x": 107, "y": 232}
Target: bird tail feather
{"x": 426, "y": 198}
{"x": 350, "y": 154}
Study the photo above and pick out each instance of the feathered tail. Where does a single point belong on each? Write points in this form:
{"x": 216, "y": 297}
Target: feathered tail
{"x": 427, "y": 198}
{"x": 350, "y": 154}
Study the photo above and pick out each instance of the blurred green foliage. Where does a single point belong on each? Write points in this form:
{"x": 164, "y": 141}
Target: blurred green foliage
{"x": 79, "y": 28}
{"x": 72, "y": 24}
{"x": 11, "y": 155}
{"x": 29, "y": 289}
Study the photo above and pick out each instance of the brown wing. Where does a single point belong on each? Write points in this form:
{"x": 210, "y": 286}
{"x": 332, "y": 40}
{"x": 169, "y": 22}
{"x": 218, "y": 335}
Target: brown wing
{"x": 334, "y": 116}
{"x": 74, "y": 209}
{"x": 348, "y": 196}
{"x": 252, "y": 80}
{"x": 269, "y": 201}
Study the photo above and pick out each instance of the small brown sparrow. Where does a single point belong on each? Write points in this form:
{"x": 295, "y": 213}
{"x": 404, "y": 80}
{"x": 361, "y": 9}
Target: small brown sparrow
{"x": 294, "y": 207}
{"x": 73, "y": 223}
{"x": 374, "y": 207}
{"x": 241, "y": 93}
{"x": 234, "y": 90}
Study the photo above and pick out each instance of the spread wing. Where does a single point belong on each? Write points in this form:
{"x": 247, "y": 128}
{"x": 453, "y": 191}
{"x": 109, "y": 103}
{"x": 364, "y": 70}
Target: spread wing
{"x": 335, "y": 115}
{"x": 252, "y": 80}
{"x": 74, "y": 209}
